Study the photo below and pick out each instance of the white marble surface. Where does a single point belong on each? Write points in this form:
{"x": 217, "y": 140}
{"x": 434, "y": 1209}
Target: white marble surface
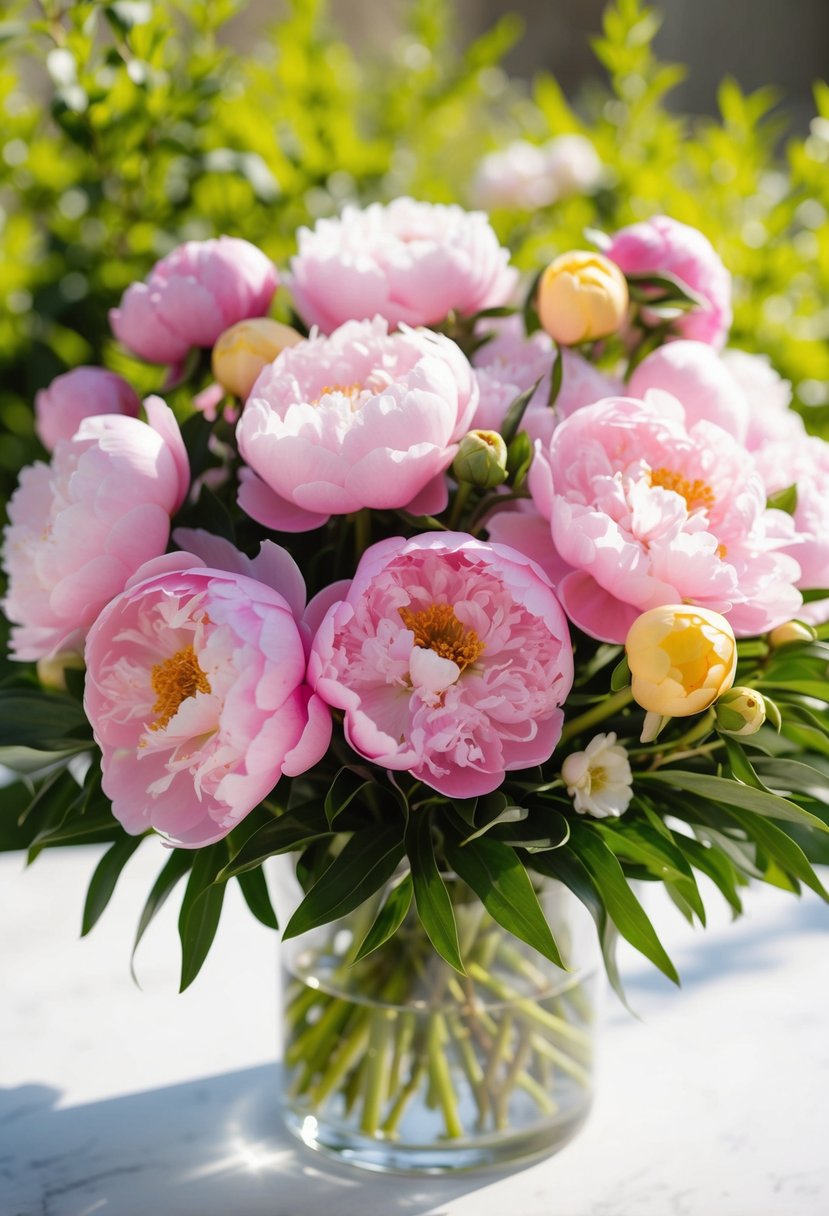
{"x": 131, "y": 1102}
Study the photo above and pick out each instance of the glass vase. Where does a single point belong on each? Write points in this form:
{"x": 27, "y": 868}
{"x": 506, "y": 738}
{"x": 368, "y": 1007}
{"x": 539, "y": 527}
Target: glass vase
{"x": 399, "y": 1063}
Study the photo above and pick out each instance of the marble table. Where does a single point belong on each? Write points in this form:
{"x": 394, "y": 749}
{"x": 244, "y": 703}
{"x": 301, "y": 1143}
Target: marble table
{"x": 129, "y": 1102}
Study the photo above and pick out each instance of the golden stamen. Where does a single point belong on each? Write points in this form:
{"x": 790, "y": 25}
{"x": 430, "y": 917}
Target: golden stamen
{"x": 696, "y": 493}
{"x": 173, "y": 681}
{"x": 437, "y": 628}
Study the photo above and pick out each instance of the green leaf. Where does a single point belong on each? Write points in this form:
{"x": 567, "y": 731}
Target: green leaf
{"x": 781, "y": 848}
{"x": 502, "y": 884}
{"x": 388, "y": 919}
{"x": 732, "y": 793}
{"x": 620, "y": 676}
{"x": 716, "y": 866}
{"x": 434, "y": 907}
{"x": 255, "y": 891}
{"x": 495, "y": 809}
{"x": 200, "y": 911}
{"x": 102, "y": 883}
{"x": 344, "y": 789}
{"x": 175, "y": 867}
{"x": 740, "y": 764}
{"x": 556, "y": 377}
{"x": 515, "y": 414}
{"x": 544, "y": 828}
{"x": 819, "y": 689}
{"x": 815, "y": 593}
{"x": 367, "y": 862}
{"x": 286, "y": 833}
{"x": 784, "y": 500}
{"x": 623, "y": 907}
{"x": 43, "y": 721}
{"x": 795, "y": 776}
{"x": 642, "y": 843}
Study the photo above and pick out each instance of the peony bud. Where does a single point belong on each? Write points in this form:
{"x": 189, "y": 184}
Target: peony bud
{"x": 481, "y": 460}
{"x": 581, "y": 296}
{"x": 243, "y": 350}
{"x": 792, "y": 631}
{"x": 681, "y": 659}
{"x": 741, "y": 711}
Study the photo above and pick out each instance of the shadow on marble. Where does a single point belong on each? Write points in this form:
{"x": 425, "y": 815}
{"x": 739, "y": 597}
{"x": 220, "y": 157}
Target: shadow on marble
{"x": 214, "y": 1147}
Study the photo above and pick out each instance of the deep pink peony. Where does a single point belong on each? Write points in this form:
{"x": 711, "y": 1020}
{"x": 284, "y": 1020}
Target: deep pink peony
{"x": 362, "y": 418}
{"x": 510, "y": 363}
{"x": 662, "y": 244}
{"x": 196, "y": 692}
{"x": 450, "y": 658}
{"x": 697, "y": 376}
{"x": 191, "y": 296}
{"x": 82, "y": 393}
{"x": 83, "y": 524}
{"x": 408, "y": 262}
{"x": 645, "y": 511}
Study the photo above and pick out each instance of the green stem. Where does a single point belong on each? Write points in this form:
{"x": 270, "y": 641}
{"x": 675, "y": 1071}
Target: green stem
{"x": 598, "y": 713}
{"x": 362, "y": 532}
{"x": 440, "y": 1078}
{"x": 377, "y": 1070}
{"x": 461, "y": 496}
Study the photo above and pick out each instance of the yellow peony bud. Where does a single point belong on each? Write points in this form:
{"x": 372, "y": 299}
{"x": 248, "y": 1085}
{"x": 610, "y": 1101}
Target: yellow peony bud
{"x": 681, "y": 659}
{"x": 243, "y": 350}
{"x": 481, "y": 460}
{"x": 581, "y": 296}
{"x": 741, "y": 711}
{"x": 792, "y": 631}
{"x": 52, "y": 672}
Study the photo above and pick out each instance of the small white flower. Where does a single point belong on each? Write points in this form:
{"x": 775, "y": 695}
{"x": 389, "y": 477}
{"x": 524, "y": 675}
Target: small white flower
{"x": 599, "y": 779}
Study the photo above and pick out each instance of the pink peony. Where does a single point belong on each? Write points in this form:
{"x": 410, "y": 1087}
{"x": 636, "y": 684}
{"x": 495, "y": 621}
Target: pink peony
{"x": 81, "y": 525}
{"x": 663, "y": 245}
{"x": 408, "y": 262}
{"x": 362, "y": 418}
{"x": 768, "y": 396}
{"x": 645, "y": 511}
{"x": 526, "y": 176}
{"x": 698, "y": 377}
{"x": 82, "y": 393}
{"x": 196, "y": 692}
{"x": 510, "y": 363}
{"x": 191, "y": 296}
{"x": 450, "y": 658}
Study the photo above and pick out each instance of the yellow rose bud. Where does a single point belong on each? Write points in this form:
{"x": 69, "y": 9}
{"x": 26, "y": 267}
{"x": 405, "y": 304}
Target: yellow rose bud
{"x": 792, "y": 631}
{"x": 581, "y": 296}
{"x": 243, "y": 350}
{"x": 52, "y": 672}
{"x": 681, "y": 659}
{"x": 741, "y": 711}
{"x": 481, "y": 460}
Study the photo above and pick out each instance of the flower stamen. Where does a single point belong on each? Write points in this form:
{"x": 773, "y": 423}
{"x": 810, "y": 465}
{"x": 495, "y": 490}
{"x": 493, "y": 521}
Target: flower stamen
{"x": 697, "y": 494}
{"x": 437, "y": 628}
{"x": 173, "y": 681}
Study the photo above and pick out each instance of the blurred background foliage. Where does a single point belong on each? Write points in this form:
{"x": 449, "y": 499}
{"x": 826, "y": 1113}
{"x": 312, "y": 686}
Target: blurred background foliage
{"x": 129, "y": 126}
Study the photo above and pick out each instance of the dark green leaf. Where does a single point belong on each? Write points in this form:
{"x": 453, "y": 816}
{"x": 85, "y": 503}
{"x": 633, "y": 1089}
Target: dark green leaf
{"x": 286, "y": 833}
{"x": 255, "y": 891}
{"x": 515, "y": 414}
{"x": 716, "y": 865}
{"x": 794, "y": 775}
{"x": 777, "y": 845}
{"x": 642, "y": 843}
{"x": 620, "y": 676}
{"x": 174, "y": 869}
{"x": 388, "y": 919}
{"x": 365, "y": 865}
{"x": 200, "y": 911}
{"x": 44, "y": 721}
{"x": 502, "y": 884}
{"x": 344, "y": 789}
{"x": 556, "y": 377}
{"x": 732, "y": 793}
{"x": 434, "y": 907}
{"x": 102, "y": 883}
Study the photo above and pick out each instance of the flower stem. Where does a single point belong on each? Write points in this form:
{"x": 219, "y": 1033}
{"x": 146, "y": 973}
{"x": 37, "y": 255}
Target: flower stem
{"x": 598, "y": 713}
{"x": 461, "y": 495}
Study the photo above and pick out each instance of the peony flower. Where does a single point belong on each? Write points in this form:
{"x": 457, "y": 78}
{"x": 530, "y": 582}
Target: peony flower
{"x": 481, "y": 460}
{"x": 193, "y": 295}
{"x": 408, "y": 262}
{"x": 699, "y": 378}
{"x": 526, "y": 176}
{"x": 681, "y": 659}
{"x": 599, "y": 779}
{"x": 662, "y": 245}
{"x": 510, "y": 363}
{"x": 581, "y": 296}
{"x": 82, "y": 393}
{"x": 741, "y": 711}
{"x": 768, "y": 397}
{"x": 243, "y": 350}
{"x": 362, "y": 418}
{"x": 645, "y": 511}
{"x": 83, "y": 524}
{"x": 196, "y": 692}
{"x": 450, "y": 658}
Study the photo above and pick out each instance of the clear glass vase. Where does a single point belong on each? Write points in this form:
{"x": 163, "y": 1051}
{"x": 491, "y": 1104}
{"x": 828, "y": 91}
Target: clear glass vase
{"x": 399, "y": 1063}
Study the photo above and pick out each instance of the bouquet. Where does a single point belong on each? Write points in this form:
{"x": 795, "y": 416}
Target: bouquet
{"x": 458, "y": 589}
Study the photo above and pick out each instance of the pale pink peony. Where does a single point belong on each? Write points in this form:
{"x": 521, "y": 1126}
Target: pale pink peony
{"x": 83, "y": 524}
{"x": 196, "y": 692}
{"x": 768, "y": 396}
{"x": 408, "y": 262}
{"x": 697, "y": 376}
{"x": 191, "y": 296}
{"x": 645, "y": 511}
{"x": 450, "y": 658}
{"x": 661, "y": 245}
{"x": 362, "y": 418}
{"x": 61, "y": 407}
{"x": 526, "y": 176}
{"x": 510, "y": 363}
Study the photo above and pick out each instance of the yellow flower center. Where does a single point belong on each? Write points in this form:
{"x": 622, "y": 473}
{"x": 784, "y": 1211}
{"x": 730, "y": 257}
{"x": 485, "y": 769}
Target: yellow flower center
{"x": 598, "y": 779}
{"x": 348, "y": 390}
{"x": 696, "y": 493}
{"x": 437, "y": 628}
{"x": 692, "y": 655}
{"x": 173, "y": 681}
